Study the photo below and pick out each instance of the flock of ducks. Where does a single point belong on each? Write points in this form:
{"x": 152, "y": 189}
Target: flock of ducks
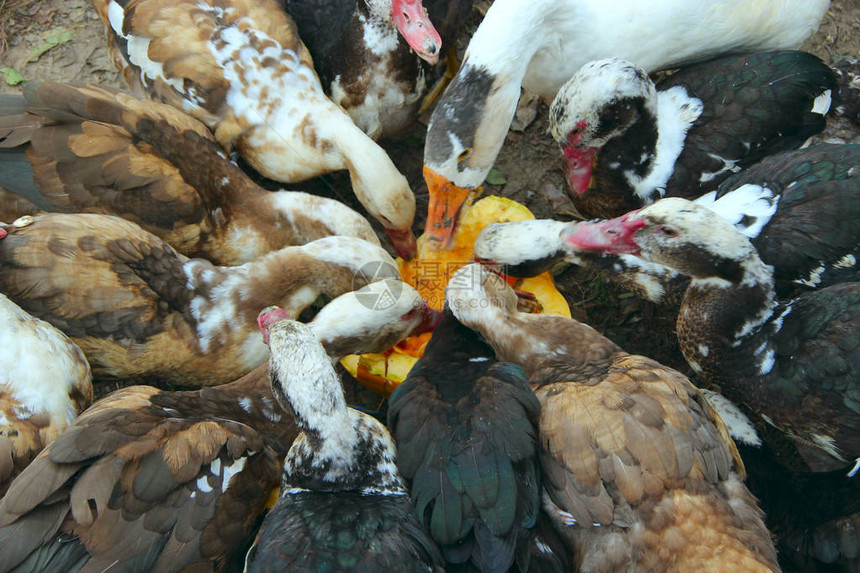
{"x": 519, "y": 441}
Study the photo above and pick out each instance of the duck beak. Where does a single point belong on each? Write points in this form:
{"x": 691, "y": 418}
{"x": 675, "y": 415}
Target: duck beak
{"x": 578, "y": 165}
{"x": 446, "y": 199}
{"x": 269, "y": 316}
{"x": 416, "y": 28}
{"x": 430, "y": 319}
{"x": 404, "y": 242}
{"x": 611, "y": 236}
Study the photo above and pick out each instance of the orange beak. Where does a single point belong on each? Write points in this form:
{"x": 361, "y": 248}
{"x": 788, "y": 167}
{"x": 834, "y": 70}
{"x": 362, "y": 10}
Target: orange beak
{"x": 446, "y": 199}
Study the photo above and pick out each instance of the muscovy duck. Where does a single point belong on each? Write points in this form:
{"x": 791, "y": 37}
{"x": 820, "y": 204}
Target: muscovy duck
{"x": 240, "y": 67}
{"x": 99, "y": 150}
{"x": 796, "y": 364}
{"x": 539, "y": 45}
{"x": 467, "y": 446}
{"x": 639, "y": 473}
{"x": 363, "y": 63}
{"x": 800, "y": 209}
{"x": 343, "y": 504}
{"x": 627, "y": 142}
{"x": 151, "y": 480}
{"x": 137, "y": 308}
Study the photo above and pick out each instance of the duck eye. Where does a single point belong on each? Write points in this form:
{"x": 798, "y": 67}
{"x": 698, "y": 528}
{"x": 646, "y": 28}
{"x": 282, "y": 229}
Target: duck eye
{"x": 667, "y": 231}
{"x": 464, "y": 154}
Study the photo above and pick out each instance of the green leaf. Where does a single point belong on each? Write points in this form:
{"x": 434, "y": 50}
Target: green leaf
{"x": 12, "y": 76}
{"x": 51, "y": 39}
{"x": 495, "y": 177}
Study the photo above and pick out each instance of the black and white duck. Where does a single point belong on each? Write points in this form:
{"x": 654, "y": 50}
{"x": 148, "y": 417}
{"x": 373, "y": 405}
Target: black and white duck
{"x": 343, "y": 504}
{"x": 627, "y": 142}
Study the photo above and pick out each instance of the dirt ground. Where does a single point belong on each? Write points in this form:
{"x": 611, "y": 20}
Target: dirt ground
{"x": 64, "y": 40}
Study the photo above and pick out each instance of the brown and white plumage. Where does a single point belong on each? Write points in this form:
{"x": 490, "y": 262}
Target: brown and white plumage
{"x": 639, "y": 472}
{"x": 99, "y": 150}
{"x": 44, "y": 384}
{"x": 241, "y": 68}
{"x": 139, "y": 309}
{"x": 174, "y": 478}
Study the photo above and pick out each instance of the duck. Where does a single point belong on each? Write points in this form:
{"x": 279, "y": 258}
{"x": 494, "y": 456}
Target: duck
{"x": 344, "y": 506}
{"x": 848, "y": 95}
{"x": 774, "y": 203}
{"x": 638, "y": 471}
{"x": 795, "y": 363}
{"x": 140, "y": 310}
{"x": 242, "y": 70}
{"x": 528, "y": 248}
{"x": 163, "y": 170}
{"x": 191, "y": 472}
{"x": 539, "y": 45}
{"x": 44, "y": 385}
{"x": 813, "y": 516}
{"x": 369, "y": 56}
{"x": 627, "y": 142}
{"x": 467, "y": 445}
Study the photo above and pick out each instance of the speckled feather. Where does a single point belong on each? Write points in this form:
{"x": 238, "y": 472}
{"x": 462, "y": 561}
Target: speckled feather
{"x": 639, "y": 470}
{"x": 151, "y": 480}
{"x": 812, "y": 239}
{"x": 139, "y": 309}
{"x": 99, "y": 150}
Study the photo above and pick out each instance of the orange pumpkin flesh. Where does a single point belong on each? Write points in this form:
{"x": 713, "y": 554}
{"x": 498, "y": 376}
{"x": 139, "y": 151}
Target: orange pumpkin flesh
{"x": 429, "y": 273}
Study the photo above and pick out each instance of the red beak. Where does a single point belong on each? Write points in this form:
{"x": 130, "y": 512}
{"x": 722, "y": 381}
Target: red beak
{"x": 404, "y": 242}
{"x": 611, "y": 236}
{"x": 269, "y": 316}
{"x": 3, "y": 233}
{"x": 416, "y": 28}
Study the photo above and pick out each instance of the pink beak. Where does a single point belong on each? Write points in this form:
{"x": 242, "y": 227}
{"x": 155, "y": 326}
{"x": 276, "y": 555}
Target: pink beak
{"x": 611, "y": 236}
{"x": 3, "y": 233}
{"x": 416, "y": 28}
{"x": 404, "y": 242}
{"x": 269, "y": 316}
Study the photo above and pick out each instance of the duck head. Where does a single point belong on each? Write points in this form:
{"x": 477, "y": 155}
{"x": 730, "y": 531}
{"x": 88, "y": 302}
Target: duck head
{"x": 373, "y": 318}
{"x": 475, "y": 291}
{"x": 466, "y": 132}
{"x": 411, "y": 20}
{"x": 674, "y": 232}
{"x": 597, "y": 104}
{"x": 521, "y": 248}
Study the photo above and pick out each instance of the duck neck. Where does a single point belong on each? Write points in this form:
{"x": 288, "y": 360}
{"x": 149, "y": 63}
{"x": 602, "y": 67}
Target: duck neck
{"x": 225, "y": 301}
{"x": 339, "y": 448}
{"x": 537, "y": 342}
{"x": 722, "y": 325}
{"x": 508, "y": 38}
{"x": 455, "y": 357}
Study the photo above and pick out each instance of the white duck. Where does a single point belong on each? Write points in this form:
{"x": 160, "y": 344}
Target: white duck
{"x": 539, "y": 45}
